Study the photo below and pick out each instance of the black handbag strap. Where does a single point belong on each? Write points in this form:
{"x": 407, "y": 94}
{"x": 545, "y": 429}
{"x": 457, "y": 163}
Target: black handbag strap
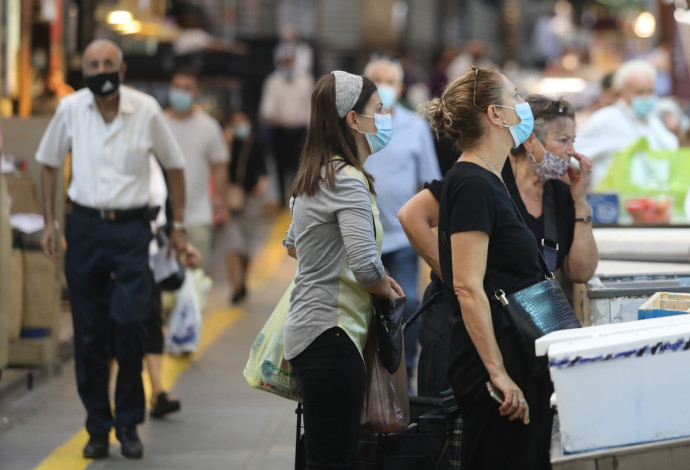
{"x": 549, "y": 243}
{"x": 547, "y": 272}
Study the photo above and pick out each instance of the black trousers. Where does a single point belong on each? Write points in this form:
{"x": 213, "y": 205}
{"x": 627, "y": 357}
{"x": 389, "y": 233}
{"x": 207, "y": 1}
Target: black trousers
{"x": 109, "y": 280}
{"x": 489, "y": 440}
{"x": 154, "y": 322}
{"x": 332, "y": 376}
{"x": 287, "y": 146}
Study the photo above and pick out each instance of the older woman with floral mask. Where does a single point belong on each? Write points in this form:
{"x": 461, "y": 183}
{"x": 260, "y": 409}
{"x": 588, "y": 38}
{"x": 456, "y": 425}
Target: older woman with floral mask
{"x": 536, "y": 172}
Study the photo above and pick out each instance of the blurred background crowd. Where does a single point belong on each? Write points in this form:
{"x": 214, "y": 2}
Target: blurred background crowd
{"x": 261, "y": 57}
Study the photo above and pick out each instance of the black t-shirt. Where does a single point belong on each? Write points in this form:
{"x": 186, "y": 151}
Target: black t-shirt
{"x": 564, "y": 212}
{"x": 563, "y": 201}
{"x": 474, "y": 199}
{"x": 255, "y": 164}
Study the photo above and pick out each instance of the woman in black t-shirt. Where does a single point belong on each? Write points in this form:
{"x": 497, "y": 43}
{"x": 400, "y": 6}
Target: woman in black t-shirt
{"x": 484, "y": 246}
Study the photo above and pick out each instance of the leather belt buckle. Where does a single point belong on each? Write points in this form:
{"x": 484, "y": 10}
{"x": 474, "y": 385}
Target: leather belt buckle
{"x": 108, "y": 215}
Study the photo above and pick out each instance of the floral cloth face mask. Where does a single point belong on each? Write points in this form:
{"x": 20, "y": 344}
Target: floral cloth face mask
{"x": 551, "y": 168}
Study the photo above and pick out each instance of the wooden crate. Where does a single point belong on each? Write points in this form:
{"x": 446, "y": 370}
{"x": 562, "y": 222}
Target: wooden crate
{"x": 664, "y": 304}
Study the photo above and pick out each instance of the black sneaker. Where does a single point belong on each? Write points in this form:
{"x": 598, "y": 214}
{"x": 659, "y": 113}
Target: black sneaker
{"x": 239, "y": 296}
{"x": 130, "y": 444}
{"x": 98, "y": 447}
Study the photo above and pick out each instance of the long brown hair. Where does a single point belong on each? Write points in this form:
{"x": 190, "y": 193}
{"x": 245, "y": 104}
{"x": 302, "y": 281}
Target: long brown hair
{"x": 329, "y": 135}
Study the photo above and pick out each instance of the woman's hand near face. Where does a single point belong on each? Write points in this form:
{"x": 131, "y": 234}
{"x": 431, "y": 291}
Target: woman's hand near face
{"x": 579, "y": 180}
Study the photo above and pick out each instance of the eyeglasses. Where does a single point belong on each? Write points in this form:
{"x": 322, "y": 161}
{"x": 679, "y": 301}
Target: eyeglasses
{"x": 476, "y": 77}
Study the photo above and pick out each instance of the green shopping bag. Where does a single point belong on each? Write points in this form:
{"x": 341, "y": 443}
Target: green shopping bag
{"x": 639, "y": 171}
{"x": 266, "y": 367}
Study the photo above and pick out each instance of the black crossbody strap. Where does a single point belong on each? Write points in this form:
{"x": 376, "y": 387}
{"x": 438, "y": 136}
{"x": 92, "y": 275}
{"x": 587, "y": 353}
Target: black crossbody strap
{"x": 547, "y": 272}
{"x": 550, "y": 241}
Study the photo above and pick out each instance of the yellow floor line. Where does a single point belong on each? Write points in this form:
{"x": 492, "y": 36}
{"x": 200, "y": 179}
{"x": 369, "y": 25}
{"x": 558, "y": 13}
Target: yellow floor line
{"x": 69, "y": 455}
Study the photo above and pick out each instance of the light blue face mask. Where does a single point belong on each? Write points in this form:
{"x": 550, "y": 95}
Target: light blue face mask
{"x": 242, "y": 130}
{"x": 388, "y": 96}
{"x": 643, "y": 105}
{"x": 523, "y": 129}
{"x": 379, "y": 139}
{"x": 180, "y": 100}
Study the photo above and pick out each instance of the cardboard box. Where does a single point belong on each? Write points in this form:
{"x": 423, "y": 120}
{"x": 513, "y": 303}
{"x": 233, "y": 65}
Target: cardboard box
{"x": 16, "y": 293}
{"x": 664, "y": 304}
{"x": 623, "y": 384}
{"x": 41, "y": 302}
{"x": 22, "y": 194}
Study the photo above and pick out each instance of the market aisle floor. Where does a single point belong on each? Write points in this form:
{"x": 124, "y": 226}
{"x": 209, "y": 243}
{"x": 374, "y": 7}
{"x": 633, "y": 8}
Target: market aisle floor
{"x": 224, "y": 424}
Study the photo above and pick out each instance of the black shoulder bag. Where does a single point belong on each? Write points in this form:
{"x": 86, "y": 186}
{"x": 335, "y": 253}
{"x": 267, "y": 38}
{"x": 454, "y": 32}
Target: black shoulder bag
{"x": 389, "y": 316}
{"x": 540, "y": 308}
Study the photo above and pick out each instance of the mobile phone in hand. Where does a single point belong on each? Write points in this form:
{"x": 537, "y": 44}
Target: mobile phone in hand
{"x": 495, "y": 393}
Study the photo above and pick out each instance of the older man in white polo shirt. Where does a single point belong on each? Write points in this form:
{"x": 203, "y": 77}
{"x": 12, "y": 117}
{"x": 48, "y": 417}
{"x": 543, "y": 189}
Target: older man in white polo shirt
{"x": 110, "y": 130}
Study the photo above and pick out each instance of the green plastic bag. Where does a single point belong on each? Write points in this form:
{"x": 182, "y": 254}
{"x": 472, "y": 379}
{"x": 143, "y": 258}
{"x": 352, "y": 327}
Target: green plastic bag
{"x": 266, "y": 367}
{"x": 638, "y": 171}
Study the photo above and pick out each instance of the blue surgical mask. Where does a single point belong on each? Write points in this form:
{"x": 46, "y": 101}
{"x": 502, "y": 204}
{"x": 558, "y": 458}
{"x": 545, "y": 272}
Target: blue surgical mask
{"x": 242, "y": 131}
{"x": 180, "y": 100}
{"x": 388, "y": 96}
{"x": 384, "y": 134}
{"x": 643, "y": 105}
{"x": 523, "y": 129}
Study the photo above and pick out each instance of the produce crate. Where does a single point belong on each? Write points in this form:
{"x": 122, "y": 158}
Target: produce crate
{"x": 664, "y": 304}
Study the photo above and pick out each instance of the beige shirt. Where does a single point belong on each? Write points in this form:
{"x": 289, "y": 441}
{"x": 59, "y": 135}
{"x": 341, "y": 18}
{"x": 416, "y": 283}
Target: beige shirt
{"x": 287, "y": 102}
{"x": 203, "y": 145}
{"x": 110, "y": 166}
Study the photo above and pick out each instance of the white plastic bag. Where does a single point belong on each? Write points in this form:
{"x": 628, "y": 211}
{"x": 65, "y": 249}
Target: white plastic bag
{"x": 184, "y": 327}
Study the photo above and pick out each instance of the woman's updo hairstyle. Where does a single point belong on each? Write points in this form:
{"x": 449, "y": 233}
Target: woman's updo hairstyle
{"x": 547, "y": 112}
{"x": 457, "y": 113}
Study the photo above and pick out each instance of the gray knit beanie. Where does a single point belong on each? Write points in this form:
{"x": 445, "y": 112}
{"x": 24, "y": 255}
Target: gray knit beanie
{"x": 347, "y": 90}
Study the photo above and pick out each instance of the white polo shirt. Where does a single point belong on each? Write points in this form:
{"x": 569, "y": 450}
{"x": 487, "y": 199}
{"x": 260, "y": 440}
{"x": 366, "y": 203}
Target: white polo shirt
{"x": 110, "y": 166}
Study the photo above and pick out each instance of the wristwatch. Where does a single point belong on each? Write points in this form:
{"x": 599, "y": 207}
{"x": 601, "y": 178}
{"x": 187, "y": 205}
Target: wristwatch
{"x": 178, "y": 225}
{"x": 586, "y": 220}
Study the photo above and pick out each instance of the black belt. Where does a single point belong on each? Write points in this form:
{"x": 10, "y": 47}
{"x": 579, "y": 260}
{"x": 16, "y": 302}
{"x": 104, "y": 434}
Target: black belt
{"x": 114, "y": 215}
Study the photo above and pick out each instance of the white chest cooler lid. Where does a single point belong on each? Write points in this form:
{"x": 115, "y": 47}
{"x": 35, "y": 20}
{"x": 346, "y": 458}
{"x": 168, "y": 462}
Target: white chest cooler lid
{"x": 601, "y": 335}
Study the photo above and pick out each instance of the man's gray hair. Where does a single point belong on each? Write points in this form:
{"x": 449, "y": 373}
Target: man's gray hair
{"x": 97, "y": 44}
{"x": 384, "y": 61}
{"x": 631, "y": 68}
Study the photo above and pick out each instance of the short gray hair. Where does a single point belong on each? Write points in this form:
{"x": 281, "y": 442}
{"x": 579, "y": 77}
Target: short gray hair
{"x": 384, "y": 61}
{"x": 630, "y": 68}
{"x": 97, "y": 44}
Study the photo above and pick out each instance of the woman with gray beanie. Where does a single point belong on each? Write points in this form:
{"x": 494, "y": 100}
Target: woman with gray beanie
{"x": 336, "y": 237}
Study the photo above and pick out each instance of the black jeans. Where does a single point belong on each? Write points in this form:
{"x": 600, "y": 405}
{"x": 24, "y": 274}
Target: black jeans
{"x": 332, "y": 376}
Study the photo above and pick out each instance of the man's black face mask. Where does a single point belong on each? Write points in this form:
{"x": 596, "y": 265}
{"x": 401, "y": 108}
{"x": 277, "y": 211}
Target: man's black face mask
{"x": 103, "y": 84}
